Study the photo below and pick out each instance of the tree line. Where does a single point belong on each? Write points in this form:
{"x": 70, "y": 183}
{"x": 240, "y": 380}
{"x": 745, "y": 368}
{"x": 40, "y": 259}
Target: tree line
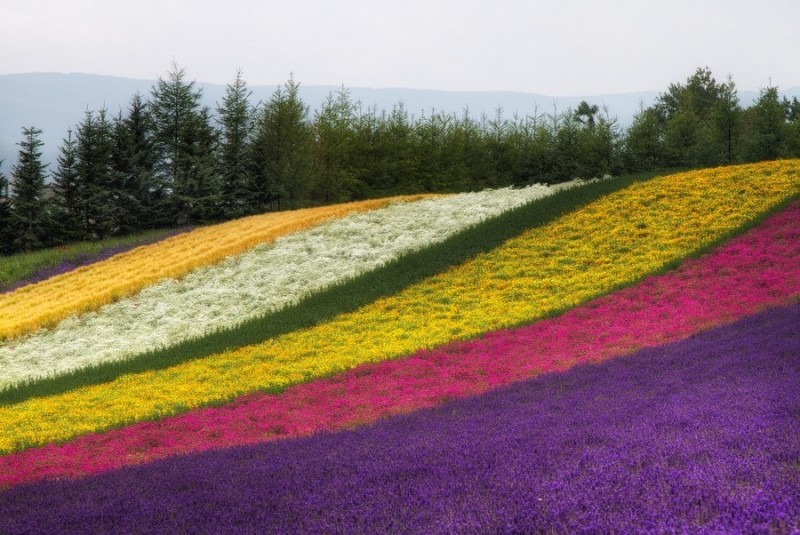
{"x": 169, "y": 161}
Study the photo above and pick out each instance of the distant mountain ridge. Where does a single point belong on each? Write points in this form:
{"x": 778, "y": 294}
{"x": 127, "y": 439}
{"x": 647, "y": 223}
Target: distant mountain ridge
{"x": 55, "y": 102}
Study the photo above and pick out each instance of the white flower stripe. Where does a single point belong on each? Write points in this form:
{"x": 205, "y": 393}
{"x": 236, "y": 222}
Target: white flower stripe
{"x": 263, "y": 279}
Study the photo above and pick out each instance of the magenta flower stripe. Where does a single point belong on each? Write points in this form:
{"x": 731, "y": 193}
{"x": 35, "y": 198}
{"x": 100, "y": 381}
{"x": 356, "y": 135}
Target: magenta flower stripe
{"x": 754, "y": 271}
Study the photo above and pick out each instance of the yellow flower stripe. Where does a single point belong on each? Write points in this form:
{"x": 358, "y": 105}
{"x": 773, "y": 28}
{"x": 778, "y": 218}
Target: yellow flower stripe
{"x": 90, "y": 287}
{"x": 612, "y": 241}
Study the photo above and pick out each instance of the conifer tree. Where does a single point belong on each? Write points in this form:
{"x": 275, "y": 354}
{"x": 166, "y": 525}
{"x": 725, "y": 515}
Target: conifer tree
{"x": 393, "y": 158}
{"x": 68, "y": 194}
{"x": 176, "y": 113}
{"x": 567, "y": 148}
{"x": 141, "y": 156}
{"x": 199, "y": 191}
{"x": 235, "y": 116}
{"x": 768, "y": 131}
{"x": 334, "y": 125}
{"x": 5, "y": 215}
{"x": 727, "y": 115}
{"x": 28, "y": 205}
{"x": 95, "y": 169}
{"x": 793, "y": 126}
{"x": 643, "y": 145}
{"x": 281, "y": 150}
{"x": 141, "y": 197}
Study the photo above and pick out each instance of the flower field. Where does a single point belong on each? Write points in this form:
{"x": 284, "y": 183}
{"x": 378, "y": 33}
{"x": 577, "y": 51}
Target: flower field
{"x": 41, "y": 305}
{"x": 21, "y": 270}
{"x": 629, "y": 365}
{"x": 262, "y": 279}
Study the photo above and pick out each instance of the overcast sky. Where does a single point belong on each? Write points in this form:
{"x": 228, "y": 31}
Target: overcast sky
{"x": 557, "y": 47}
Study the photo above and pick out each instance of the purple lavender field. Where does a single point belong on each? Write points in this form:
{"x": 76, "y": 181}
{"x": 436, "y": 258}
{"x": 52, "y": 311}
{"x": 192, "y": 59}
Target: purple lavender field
{"x": 697, "y": 436}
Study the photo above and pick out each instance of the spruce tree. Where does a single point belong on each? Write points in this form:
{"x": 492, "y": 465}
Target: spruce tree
{"x": 793, "y": 127}
{"x": 767, "y": 127}
{"x": 149, "y": 193}
{"x": 28, "y": 206}
{"x": 235, "y": 116}
{"x": 99, "y": 195}
{"x": 177, "y": 120}
{"x": 726, "y": 115}
{"x": 133, "y": 156}
{"x": 644, "y": 141}
{"x": 335, "y": 180}
{"x": 5, "y": 215}
{"x": 282, "y": 157}
{"x": 392, "y": 161}
{"x": 200, "y": 191}
{"x": 68, "y": 194}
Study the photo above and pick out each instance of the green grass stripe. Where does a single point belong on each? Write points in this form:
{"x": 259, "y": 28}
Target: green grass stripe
{"x": 21, "y": 266}
{"x": 345, "y": 297}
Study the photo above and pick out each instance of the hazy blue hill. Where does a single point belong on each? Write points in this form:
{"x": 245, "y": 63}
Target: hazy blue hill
{"x": 55, "y": 102}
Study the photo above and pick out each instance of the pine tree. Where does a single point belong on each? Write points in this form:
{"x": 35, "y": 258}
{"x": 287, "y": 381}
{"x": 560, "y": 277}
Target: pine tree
{"x": 200, "y": 191}
{"x": 281, "y": 150}
{"x": 768, "y": 130}
{"x": 696, "y": 118}
{"x": 149, "y": 193}
{"x": 334, "y": 135}
{"x": 28, "y": 206}
{"x": 99, "y": 195}
{"x": 68, "y": 194}
{"x": 176, "y": 113}
{"x": 726, "y": 115}
{"x": 235, "y": 116}
{"x": 5, "y": 215}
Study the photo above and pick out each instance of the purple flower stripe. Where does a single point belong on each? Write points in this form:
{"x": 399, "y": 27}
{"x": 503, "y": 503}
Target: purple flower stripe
{"x": 700, "y": 435}
{"x": 83, "y": 259}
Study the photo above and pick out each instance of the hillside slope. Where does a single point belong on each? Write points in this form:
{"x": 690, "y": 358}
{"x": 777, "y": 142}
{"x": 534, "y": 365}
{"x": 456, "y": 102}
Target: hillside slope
{"x": 627, "y": 363}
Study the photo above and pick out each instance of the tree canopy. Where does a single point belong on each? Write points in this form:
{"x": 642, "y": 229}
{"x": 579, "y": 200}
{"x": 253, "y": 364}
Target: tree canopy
{"x": 166, "y": 160}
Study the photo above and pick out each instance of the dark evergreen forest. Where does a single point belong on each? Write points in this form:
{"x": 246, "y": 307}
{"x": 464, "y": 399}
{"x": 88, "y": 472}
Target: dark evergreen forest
{"x": 168, "y": 161}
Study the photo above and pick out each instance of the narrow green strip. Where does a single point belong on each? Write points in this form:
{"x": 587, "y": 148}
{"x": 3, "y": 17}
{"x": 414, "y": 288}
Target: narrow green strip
{"x": 342, "y": 298}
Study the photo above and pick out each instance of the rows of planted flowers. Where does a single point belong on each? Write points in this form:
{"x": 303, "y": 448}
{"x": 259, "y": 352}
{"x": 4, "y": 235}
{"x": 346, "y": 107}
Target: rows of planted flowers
{"x": 763, "y": 265}
{"x": 609, "y": 243}
{"x": 18, "y": 274}
{"x": 695, "y": 432}
{"x": 88, "y": 288}
{"x": 696, "y": 436}
{"x": 260, "y": 280}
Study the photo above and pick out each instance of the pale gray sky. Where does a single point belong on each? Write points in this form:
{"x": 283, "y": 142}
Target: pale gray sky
{"x": 558, "y": 47}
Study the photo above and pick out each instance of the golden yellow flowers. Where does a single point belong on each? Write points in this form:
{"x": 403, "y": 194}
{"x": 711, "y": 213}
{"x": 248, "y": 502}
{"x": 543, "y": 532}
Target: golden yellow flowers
{"x": 611, "y": 242}
{"x": 90, "y": 287}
